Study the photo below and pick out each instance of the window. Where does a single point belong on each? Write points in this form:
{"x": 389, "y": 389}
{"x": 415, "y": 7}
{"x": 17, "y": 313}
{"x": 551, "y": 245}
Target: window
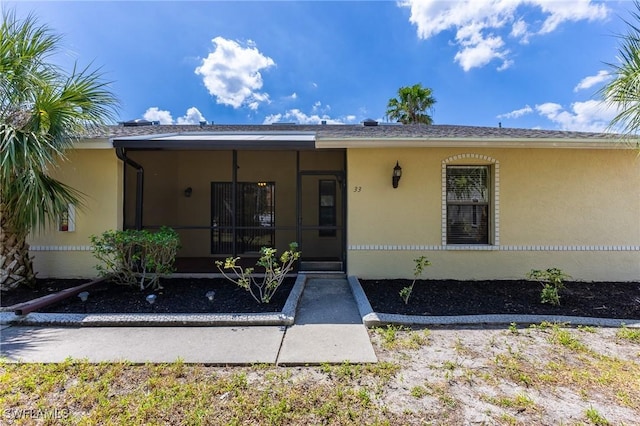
{"x": 468, "y": 206}
{"x": 327, "y": 207}
{"x": 254, "y": 217}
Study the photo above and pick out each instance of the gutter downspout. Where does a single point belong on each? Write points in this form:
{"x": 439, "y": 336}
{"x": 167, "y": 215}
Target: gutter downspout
{"x": 122, "y": 155}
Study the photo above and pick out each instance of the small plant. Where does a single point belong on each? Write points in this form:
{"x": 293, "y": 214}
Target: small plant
{"x": 421, "y": 263}
{"x": 513, "y": 328}
{"x": 274, "y": 272}
{"x": 552, "y": 281}
{"x": 595, "y": 417}
{"x": 136, "y": 257}
{"x": 419, "y": 392}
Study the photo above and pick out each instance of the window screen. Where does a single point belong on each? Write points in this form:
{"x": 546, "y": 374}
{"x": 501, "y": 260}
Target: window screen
{"x": 254, "y": 216}
{"x": 468, "y": 205}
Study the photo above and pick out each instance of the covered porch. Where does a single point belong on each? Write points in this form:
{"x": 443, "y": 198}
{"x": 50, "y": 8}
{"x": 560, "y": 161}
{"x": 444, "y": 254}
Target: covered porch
{"x": 229, "y": 194}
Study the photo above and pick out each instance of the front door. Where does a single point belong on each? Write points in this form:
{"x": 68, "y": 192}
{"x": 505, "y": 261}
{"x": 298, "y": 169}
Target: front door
{"x": 321, "y": 216}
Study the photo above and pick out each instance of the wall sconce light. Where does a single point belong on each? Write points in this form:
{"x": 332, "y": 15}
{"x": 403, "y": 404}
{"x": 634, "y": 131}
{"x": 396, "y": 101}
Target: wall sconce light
{"x": 188, "y": 192}
{"x": 397, "y": 174}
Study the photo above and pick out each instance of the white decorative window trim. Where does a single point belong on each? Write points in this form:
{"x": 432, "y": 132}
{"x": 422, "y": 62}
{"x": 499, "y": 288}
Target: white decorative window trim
{"x": 482, "y": 160}
{"x": 390, "y": 247}
{"x": 60, "y": 248}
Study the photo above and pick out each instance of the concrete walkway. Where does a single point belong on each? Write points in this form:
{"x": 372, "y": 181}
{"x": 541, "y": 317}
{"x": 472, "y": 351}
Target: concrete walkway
{"x": 328, "y": 329}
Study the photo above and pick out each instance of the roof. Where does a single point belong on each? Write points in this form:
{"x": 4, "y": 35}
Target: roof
{"x": 293, "y": 136}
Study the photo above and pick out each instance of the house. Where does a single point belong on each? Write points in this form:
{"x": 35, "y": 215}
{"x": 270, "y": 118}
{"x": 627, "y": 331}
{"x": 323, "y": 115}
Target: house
{"x": 479, "y": 202}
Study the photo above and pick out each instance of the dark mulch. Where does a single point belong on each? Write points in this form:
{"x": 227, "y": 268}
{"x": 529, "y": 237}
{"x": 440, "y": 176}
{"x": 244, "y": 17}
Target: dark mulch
{"x": 432, "y": 297}
{"x": 179, "y": 295}
{"x": 429, "y": 297}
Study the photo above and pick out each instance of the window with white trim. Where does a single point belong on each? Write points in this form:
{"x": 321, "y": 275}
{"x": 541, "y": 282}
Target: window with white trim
{"x": 468, "y": 204}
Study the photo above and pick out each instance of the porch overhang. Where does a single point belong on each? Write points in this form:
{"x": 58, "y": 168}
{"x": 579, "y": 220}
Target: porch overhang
{"x": 209, "y": 141}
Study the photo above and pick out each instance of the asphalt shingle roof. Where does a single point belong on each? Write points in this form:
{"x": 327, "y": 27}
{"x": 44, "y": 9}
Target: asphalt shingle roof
{"x": 358, "y": 131}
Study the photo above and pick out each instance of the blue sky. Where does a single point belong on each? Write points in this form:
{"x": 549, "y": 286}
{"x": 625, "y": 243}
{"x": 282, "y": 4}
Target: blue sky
{"x": 524, "y": 63}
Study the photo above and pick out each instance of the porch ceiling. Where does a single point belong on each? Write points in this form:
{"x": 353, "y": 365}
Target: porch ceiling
{"x": 220, "y": 141}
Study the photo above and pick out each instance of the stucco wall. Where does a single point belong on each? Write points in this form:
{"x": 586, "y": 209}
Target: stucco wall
{"x": 574, "y": 209}
{"x": 97, "y": 173}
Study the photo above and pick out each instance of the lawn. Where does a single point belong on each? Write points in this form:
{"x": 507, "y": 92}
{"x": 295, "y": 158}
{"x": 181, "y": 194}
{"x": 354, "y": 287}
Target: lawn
{"x": 543, "y": 374}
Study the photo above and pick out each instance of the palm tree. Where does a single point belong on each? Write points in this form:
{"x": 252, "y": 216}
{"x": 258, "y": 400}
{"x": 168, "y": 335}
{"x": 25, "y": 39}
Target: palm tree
{"x": 42, "y": 111}
{"x": 623, "y": 91}
{"x": 411, "y": 105}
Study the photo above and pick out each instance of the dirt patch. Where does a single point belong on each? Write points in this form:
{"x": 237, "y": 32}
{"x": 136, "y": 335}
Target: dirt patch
{"x": 545, "y": 374}
{"x": 431, "y": 297}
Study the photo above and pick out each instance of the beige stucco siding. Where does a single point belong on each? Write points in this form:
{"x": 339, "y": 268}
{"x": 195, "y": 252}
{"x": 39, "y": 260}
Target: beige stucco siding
{"x": 574, "y": 209}
{"x": 97, "y": 173}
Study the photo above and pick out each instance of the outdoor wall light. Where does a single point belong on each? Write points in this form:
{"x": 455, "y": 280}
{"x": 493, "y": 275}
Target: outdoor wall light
{"x": 188, "y": 192}
{"x": 210, "y": 295}
{"x": 83, "y": 297}
{"x": 397, "y": 174}
{"x": 151, "y": 299}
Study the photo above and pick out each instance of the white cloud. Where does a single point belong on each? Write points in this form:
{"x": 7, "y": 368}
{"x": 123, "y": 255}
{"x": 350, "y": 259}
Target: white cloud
{"x": 479, "y": 53}
{"x": 231, "y": 73}
{"x": 519, "y": 29}
{"x": 299, "y": 117}
{"x": 588, "y": 116}
{"x": 294, "y": 95}
{"x": 193, "y": 116}
{"x": 517, "y": 113}
{"x": 575, "y": 10}
{"x": 156, "y": 114}
{"x": 477, "y": 23}
{"x": 592, "y": 80}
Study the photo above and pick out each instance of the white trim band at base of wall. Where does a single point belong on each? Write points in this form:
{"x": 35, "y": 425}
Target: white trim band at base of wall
{"x": 60, "y": 248}
{"x": 382, "y": 247}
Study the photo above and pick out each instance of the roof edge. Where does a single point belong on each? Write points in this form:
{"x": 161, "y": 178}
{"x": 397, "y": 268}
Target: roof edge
{"x": 475, "y": 143}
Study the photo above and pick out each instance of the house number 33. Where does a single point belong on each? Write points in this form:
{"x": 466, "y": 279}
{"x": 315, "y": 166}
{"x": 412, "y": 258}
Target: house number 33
{"x": 357, "y": 189}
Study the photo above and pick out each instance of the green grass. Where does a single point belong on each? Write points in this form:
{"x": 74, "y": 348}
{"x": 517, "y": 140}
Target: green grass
{"x": 595, "y": 417}
{"x": 186, "y": 394}
{"x": 630, "y": 334}
{"x": 402, "y": 338}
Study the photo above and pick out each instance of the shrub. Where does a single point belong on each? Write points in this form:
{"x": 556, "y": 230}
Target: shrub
{"x": 136, "y": 257}
{"x": 421, "y": 263}
{"x": 552, "y": 281}
{"x": 274, "y": 273}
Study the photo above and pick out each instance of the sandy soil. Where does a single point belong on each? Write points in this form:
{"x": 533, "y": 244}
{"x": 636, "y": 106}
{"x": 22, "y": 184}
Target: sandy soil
{"x": 547, "y": 375}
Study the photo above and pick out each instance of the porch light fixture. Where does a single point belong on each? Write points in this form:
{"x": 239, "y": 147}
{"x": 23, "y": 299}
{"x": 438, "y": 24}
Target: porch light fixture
{"x": 151, "y": 299}
{"x": 188, "y": 192}
{"x": 210, "y": 295}
{"x": 397, "y": 174}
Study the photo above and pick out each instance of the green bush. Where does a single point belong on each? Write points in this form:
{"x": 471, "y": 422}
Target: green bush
{"x": 274, "y": 273}
{"x": 136, "y": 257}
{"x": 552, "y": 281}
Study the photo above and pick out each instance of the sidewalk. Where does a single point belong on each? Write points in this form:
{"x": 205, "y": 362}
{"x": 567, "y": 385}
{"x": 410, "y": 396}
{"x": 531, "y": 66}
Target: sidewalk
{"x": 327, "y": 329}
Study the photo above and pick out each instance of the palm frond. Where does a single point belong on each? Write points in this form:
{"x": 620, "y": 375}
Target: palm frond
{"x": 623, "y": 92}
{"x": 42, "y": 111}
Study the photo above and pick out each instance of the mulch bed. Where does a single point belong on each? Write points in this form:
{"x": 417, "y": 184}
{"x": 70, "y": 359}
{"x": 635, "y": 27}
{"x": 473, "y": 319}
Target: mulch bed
{"x": 429, "y": 297}
{"x": 434, "y": 297}
{"x": 179, "y": 295}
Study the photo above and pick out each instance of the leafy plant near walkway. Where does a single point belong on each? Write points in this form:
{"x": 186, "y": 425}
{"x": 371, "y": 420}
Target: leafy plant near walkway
{"x": 552, "y": 281}
{"x": 136, "y": 257}
{"x": 421, "y": 263}
{"x": 262, "y": 290}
